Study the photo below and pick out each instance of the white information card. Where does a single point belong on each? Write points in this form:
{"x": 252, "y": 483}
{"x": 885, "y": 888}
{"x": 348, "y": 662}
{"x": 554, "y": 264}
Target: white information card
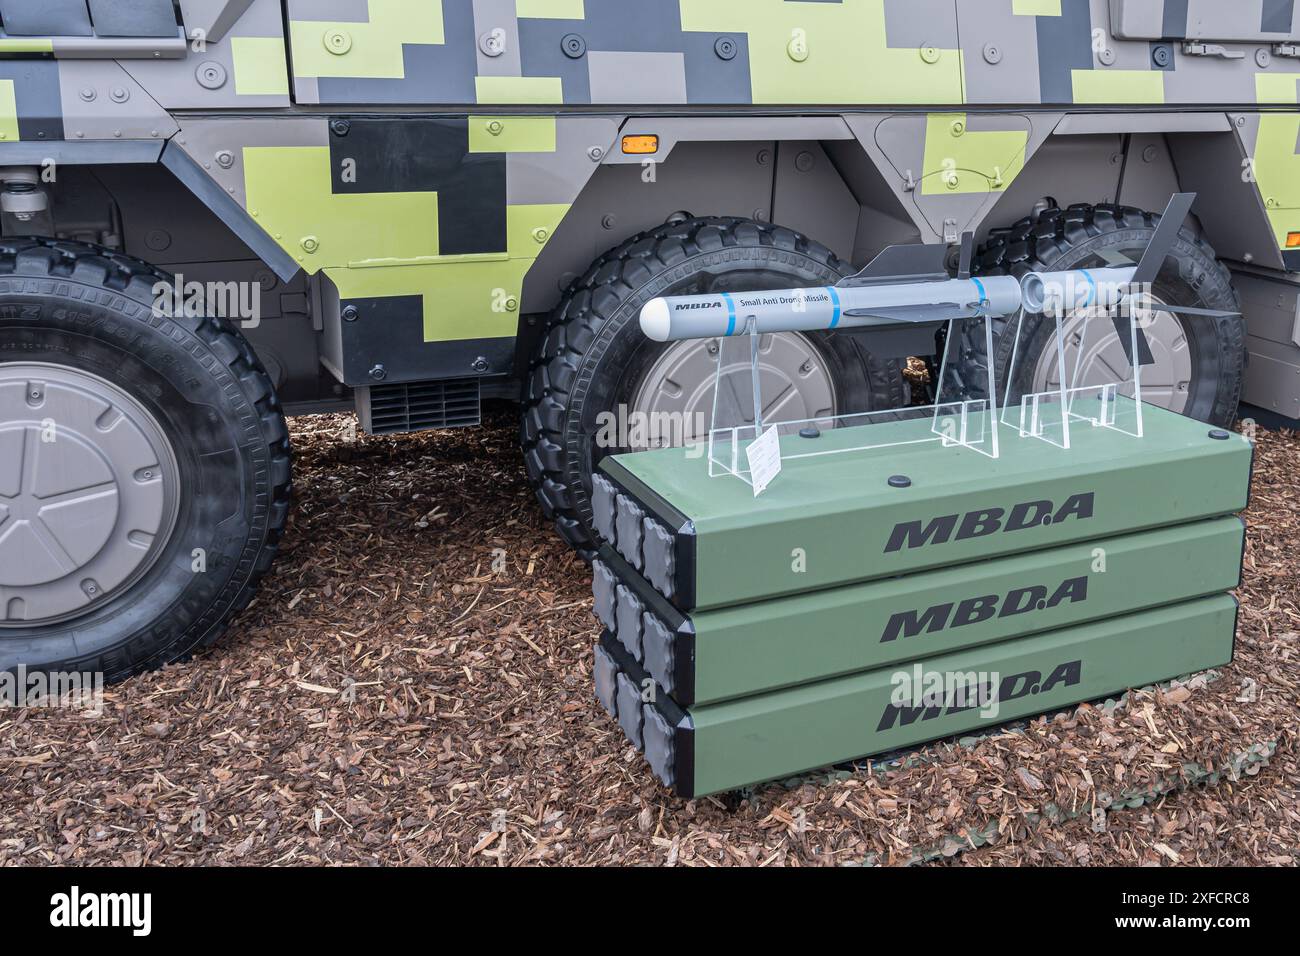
{"x": 764, "y": 459}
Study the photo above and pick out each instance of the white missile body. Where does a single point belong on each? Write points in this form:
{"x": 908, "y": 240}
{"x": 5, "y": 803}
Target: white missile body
{"x": 881, "y": 304}
{"x": 830, "y": 307}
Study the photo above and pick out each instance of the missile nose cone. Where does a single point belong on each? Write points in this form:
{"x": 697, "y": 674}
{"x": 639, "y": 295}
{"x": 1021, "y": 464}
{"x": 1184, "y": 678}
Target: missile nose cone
{"x": 656, "y": 321}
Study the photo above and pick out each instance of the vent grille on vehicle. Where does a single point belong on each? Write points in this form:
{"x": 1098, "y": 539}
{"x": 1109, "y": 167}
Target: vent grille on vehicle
{"x": 419, "y": 406}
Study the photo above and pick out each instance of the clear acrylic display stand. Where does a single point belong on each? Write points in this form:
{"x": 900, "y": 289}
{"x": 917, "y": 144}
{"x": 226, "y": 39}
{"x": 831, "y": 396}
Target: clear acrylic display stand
{"x": 965, "y": 414}
{"x": 1081, "y": 342}
{"x": 1107, "y": 333}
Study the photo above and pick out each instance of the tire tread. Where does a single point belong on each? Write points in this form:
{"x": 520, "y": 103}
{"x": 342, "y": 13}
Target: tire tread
{"x": 134, "y": 279}
{"x": 592, "y": 300}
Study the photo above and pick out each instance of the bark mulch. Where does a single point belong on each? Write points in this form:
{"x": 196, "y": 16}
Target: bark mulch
{"x": 413, "y": 686}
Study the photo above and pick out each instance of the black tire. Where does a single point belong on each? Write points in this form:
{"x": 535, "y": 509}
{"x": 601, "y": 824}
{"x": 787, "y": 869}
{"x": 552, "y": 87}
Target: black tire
{"x": 593, "y": 353}
{"x": 1193, "y": 276}
{"x": 93, "y": 311}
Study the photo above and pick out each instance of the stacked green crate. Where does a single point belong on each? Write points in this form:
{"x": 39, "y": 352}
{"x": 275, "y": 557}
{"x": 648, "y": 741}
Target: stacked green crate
{"x": 747, "y": 638}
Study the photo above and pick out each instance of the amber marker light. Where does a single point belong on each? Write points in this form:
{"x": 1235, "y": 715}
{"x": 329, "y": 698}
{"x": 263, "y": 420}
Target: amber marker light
{"x": 640, "y": 145}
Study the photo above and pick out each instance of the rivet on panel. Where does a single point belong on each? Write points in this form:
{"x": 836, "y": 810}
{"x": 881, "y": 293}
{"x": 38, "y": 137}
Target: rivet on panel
{"x": 338, "y": 42}
{"x": 797, "y": 49}
{"x": 574, "y": 46}
{"x": 493, "y": 43}
{"x": 211, "y": 75}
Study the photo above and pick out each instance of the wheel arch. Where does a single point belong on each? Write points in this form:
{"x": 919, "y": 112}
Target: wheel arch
{"x": 129, "y": 198}
{"x": 235, "y": 217}
{"x": 811, "y": 174}
{"x": 50, "y": 156}
{"x": 1141, "y": 159}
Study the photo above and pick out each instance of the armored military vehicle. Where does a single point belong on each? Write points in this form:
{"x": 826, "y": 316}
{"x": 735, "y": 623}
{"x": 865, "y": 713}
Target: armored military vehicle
{"x": 219, "y": 212}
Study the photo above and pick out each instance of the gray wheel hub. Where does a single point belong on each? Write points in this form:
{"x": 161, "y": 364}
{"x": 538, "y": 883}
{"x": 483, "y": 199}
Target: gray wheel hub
{"x": 1097, "y": 353}
{"x": 674, "y": 400}
{"x": 88, "y": 492}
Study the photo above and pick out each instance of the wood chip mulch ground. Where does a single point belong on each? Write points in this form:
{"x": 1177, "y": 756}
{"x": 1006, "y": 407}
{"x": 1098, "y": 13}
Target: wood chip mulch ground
{"x": 413, "y": 686}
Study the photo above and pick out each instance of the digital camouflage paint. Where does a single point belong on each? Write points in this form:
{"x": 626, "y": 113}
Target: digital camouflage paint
{"x": 215, "y": 212}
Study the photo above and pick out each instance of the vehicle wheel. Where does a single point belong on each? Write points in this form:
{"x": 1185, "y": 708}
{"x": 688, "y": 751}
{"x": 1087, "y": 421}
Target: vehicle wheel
{"x": 144, "y": 466}
{"x": 1200, "y": 361}
{"x": 593, "y": 358}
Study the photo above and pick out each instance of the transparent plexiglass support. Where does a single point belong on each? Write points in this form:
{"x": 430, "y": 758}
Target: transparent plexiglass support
{"x": 973, "y": 410}
{"x": 1061, "y": 401}
{"x": 749, "y": 398}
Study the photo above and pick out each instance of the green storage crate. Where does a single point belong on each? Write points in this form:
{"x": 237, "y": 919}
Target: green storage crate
{"x": 834, "y": 520}
{"x": 716, "y": 655}
{"x": 724, "y": 746}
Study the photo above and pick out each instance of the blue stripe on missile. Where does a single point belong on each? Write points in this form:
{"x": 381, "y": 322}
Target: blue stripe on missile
{"x": 1092, "y": 283}
{"x": 835, "y": 297}
{"x": 984, "y": 296}
{"x": 731, "y": 314}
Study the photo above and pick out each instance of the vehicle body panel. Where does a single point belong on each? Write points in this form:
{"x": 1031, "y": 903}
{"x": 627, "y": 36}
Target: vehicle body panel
{"x": 441, "y": 167}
